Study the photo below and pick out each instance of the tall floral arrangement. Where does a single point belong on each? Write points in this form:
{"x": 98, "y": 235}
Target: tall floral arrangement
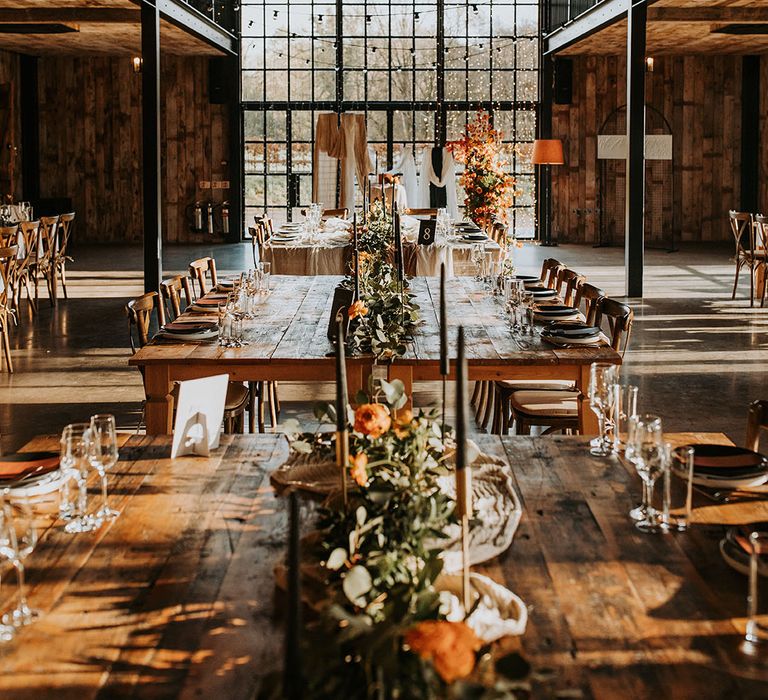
{"x": 489, "y": 188}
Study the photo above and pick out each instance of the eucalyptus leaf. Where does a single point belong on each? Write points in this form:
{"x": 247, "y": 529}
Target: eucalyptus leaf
{"x": 357, "y": 582}
{"x": 336, "y": 559}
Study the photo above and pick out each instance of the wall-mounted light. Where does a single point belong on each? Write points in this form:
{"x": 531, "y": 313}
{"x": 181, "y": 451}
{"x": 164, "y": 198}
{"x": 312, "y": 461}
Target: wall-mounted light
{"x": 137, "y": 62}
{"x": 649, "y": 64}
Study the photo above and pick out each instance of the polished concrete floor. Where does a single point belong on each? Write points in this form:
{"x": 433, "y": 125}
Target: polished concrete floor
{"x": 698, "y": 357}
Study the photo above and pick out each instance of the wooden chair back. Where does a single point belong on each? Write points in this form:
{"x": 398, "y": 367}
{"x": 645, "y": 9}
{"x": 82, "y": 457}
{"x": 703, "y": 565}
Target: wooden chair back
{"x": 342, "y": 213}
{"x": 64, "y": 232}
{"x": 30, "y": 231}
{"x": 549, "y": 271}
{"x": 420, "y": 212}
{"x": 9, "y": 235}
{"x": 140, "y": 312}
{"x": 743, "y": 231}
{"x": 499, "y": 234}
{"x": 568, "y": 281}
{"x": 591, "y": 296}
{"x": 263, "y": 233}
{"x": 757, "y": 421}
{"x": 199, "y": 270}
{"x": 171, "y": 291}
{"x": 619, "y": 317}
{"x": 760, "y": 242}
{"x": 47, "y": 240}
{"x": 7, "y": 269}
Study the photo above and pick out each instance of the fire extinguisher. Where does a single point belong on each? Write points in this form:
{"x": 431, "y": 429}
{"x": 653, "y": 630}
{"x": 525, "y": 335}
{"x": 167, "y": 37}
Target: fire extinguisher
{"x": 197, "y": 217}
{"x": 210, "y": 218}
{"x": 225, "y": 218}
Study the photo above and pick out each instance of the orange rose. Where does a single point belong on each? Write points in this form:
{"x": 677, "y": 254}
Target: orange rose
{"x": 358, "y": 469}
{"x": 358, "y": 308}
{"x": 451, "y": 647}
{"x": 403, "y": 424}
{"x": 372, "y": 419}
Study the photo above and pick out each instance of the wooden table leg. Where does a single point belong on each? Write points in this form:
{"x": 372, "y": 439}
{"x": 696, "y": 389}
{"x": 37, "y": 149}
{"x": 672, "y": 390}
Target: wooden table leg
{"x": 588, "y": 424}
{"x": 158, "y": 414}
{"x": 405, "y": 374}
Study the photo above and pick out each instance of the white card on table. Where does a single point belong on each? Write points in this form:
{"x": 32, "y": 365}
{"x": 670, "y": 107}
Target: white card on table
{"x": 199, "y": 414}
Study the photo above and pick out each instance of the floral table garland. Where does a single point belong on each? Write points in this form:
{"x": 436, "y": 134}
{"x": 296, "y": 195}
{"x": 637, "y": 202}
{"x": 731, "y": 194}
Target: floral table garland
{"x": 385, "y": 316}
{"x": 382, "y": 627}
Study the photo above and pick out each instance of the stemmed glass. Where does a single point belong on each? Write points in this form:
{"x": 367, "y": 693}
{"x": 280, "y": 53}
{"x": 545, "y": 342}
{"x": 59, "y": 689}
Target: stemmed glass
{"x": 602, "y": 397}
{"x": 647, "y": 452}
{"x": 103, "y": 456}
{"x": 75, "y": 448}
{"x": 18, "y": 538}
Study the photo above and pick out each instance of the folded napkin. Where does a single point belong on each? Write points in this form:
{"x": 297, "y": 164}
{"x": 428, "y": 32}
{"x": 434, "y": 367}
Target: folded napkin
{"x": 24, "y": 464}
{"x": 335, "y": 224}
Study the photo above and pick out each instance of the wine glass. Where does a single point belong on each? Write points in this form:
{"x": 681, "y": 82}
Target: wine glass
{"x": 75, "y": 447}
{"x": 646, "y": 451}
{"x": 602, "y": 397}
{"x": 18, "y": 538}
{"x": 103, "y": 456}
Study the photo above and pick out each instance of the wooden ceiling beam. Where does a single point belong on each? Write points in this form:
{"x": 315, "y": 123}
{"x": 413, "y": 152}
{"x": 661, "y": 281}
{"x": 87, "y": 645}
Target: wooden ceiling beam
{"x": 102, "y": 15}
{"x": 690, "y": 15}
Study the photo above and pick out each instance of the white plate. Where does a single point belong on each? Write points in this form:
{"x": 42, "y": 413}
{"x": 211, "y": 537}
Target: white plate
{"x": 205, "y": 335}
{"x": 742, "y": 482}
{"x": 42, "y": 485}
{"x": 561, "y": 340}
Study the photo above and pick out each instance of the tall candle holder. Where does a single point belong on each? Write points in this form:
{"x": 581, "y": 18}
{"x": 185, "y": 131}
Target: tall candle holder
{"x": 463, "y": 470}
{"x": 342, "y": 430}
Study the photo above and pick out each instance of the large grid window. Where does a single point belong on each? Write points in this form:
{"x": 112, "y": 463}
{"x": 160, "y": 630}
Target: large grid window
{"x": 418, "y": 70}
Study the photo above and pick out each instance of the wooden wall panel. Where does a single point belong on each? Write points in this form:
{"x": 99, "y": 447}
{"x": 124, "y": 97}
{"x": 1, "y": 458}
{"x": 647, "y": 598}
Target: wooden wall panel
{"x": 10, "y": 126}
{"x": 700, "y": 97}
{"x": 90, "y": 141}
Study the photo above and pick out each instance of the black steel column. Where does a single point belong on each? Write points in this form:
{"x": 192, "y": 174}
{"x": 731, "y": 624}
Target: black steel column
{"x": 750, "y": 132}
{"x": 441, "y": 113}
{"x": 544, "y": 131}
{"x": 635, "y": 198}
{"x": 30, "y": 128}
{"x": 150, "y": 112}
{"x": 236, "y": 153}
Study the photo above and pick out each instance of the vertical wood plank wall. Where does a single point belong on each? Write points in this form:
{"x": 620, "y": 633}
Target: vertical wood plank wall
{"x": 9, "y": 71}
{"x": 701, "y": 98}
{"x": 90, "y": 142}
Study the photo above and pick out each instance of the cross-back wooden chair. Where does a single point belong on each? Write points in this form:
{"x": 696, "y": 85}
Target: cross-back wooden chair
{"x": 7, "y": 270}
{"x": 255, "y": 249}
{"x": 30, "y": 233}
{"x": 760, "y": 254}
{"x": 141, "y": 312}
{"x": 200, "y": 270}
{"x": 549, "y": 271}
{"x": 558, "y": 410}
{"x": 9, "y": 235}
{"x": 341, "y": 213}
{"x": 60, "y": 256}
{"x": 411, "y": 211}
{"x": 43, "y": 261}
{"x": 172, "y": 290}
{"x": 585, "y": 298}
{"x": 743, "y": 230}
{"x": 567, "y": 283}
{"x": 499, "y": 234}
{"x": 757, "y": 421}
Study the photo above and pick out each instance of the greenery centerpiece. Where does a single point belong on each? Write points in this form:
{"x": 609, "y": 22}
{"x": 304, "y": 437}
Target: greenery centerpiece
{"x": 379, "y": 628}
{"x": 385, "y": 316}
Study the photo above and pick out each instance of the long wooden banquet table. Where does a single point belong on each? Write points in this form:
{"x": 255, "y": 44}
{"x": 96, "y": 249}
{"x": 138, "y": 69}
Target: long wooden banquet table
{"x": 176, "y": 598}
{"x": 287, "y": 342}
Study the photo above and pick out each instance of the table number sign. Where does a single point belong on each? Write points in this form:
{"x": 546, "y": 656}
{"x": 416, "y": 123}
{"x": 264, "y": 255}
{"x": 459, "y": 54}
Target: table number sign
{"x": 199, "y": 415}
{"x": 427, "y": 231}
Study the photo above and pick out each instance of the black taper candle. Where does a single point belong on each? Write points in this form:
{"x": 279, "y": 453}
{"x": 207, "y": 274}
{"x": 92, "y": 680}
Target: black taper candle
{"x": 399, "y": 247}
{"x": 341, "y": 378}
{"x": 293, "y": 682}
{"x": 444, "y": 364}
{"x": 461, "y": 404}
{"x": 356, "y": 257}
